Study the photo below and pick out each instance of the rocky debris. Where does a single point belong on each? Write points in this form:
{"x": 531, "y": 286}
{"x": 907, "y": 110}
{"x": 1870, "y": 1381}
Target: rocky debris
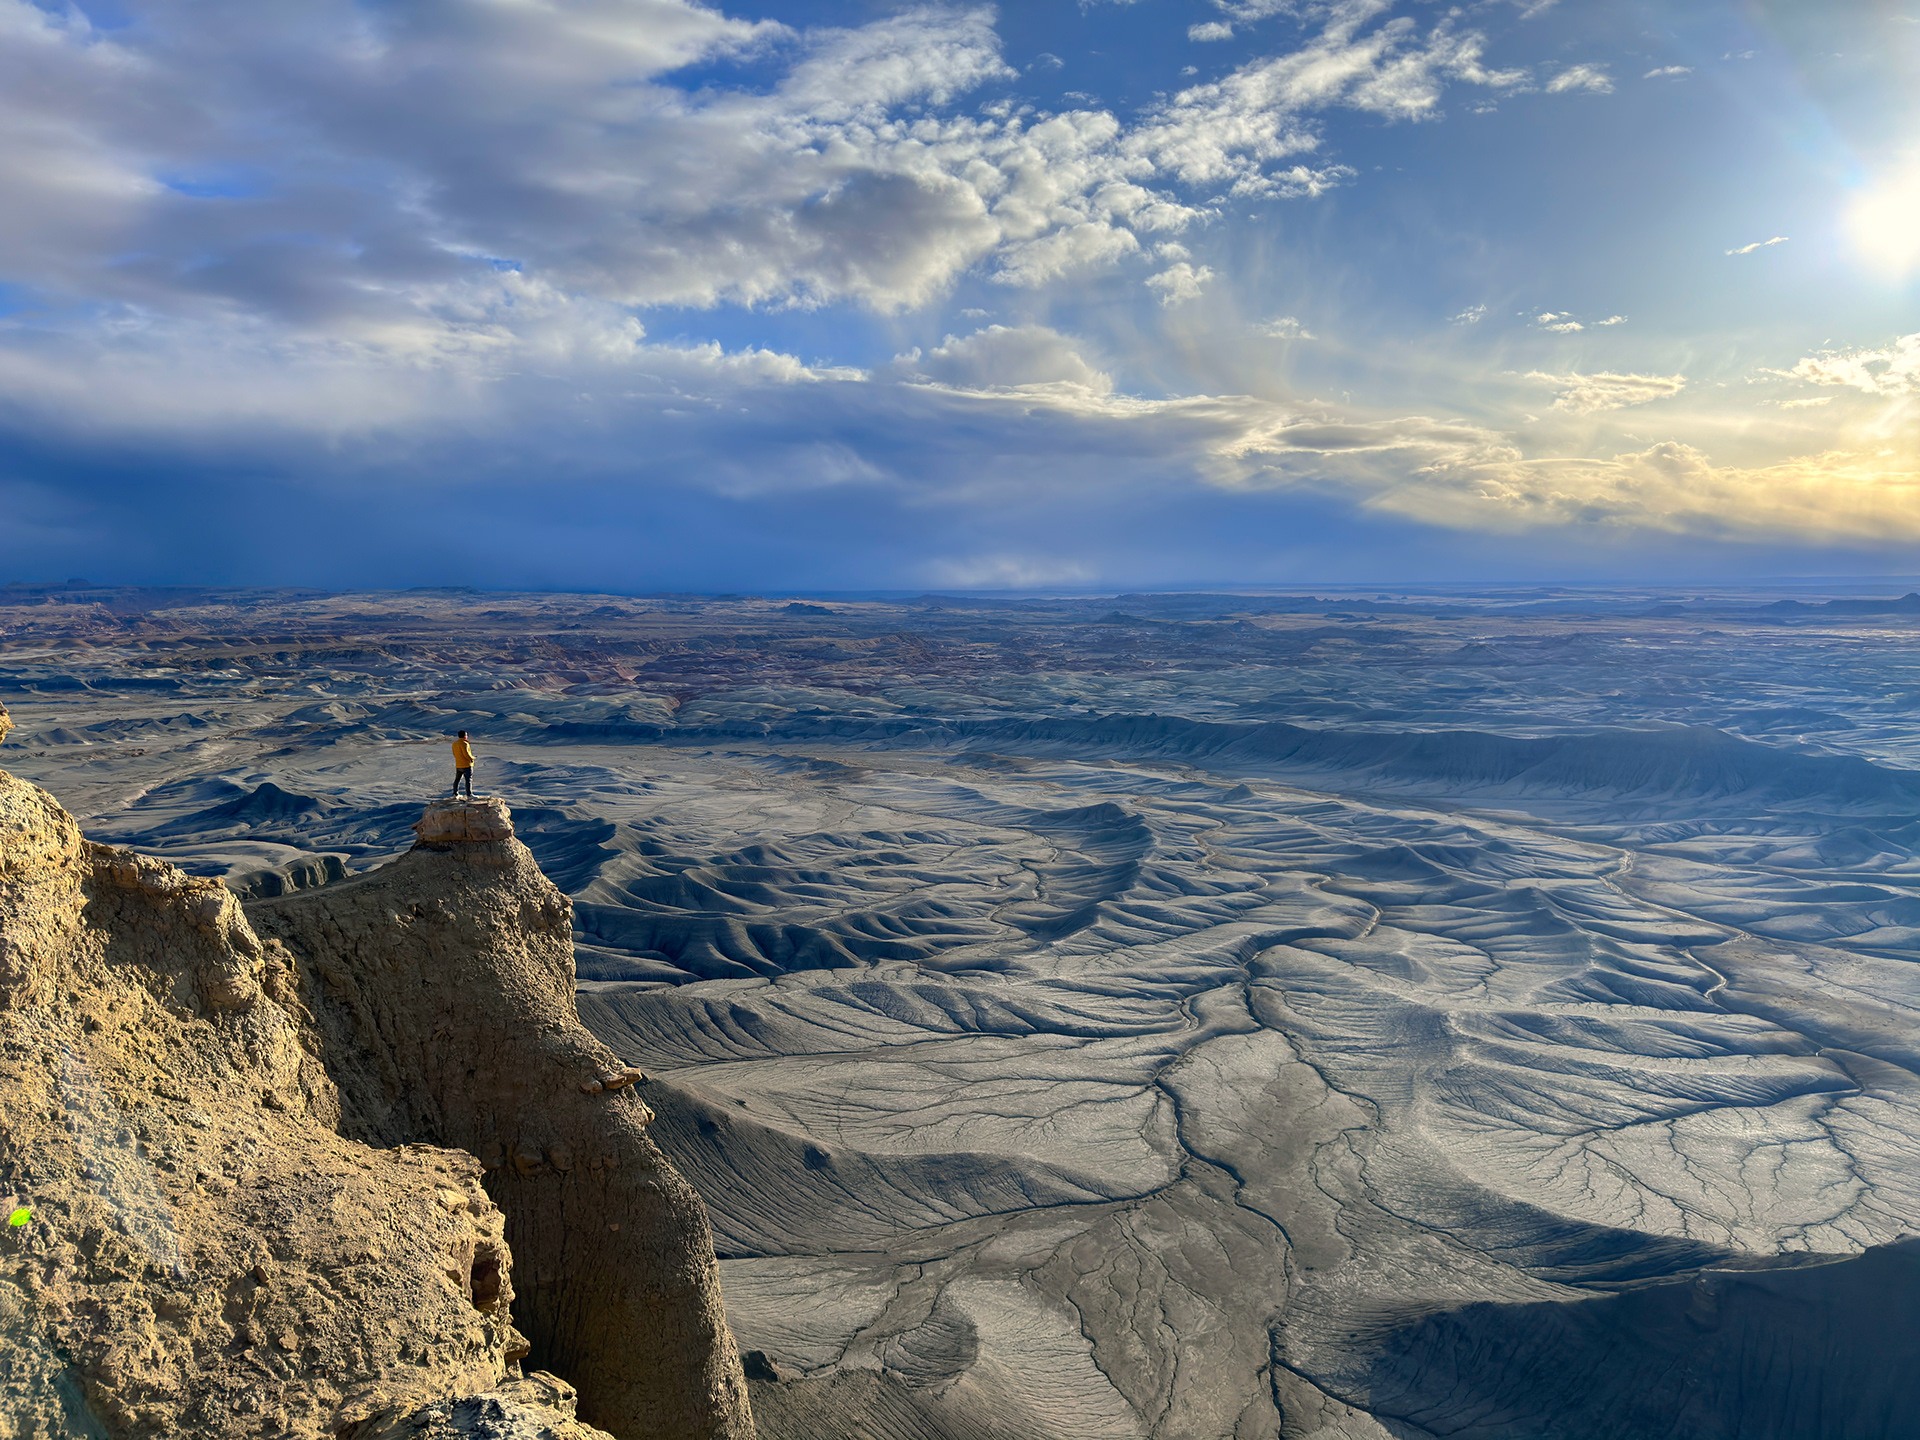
{"x": 200, "y": 1260}
{"x": 537, "y": 1407}
{"x": 613, "y": 1080}
{"x": 441, "y": 990}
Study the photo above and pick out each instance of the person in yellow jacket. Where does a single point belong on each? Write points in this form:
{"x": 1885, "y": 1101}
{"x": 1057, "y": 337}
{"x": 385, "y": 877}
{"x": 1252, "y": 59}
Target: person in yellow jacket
{"x": 462, "y": 765}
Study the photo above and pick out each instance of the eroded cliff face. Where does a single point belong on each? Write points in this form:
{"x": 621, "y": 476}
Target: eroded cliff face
{"x": 441, "y": 989}
{"x": 253, "y": 1210}
{"x": 205, "y": 1254}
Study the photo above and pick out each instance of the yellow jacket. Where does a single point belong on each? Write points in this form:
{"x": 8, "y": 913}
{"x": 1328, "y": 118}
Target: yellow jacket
{"x": 462, "y": 755}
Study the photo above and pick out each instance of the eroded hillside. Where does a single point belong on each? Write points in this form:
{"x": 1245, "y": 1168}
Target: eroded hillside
{"x": 1484, "y": 1020}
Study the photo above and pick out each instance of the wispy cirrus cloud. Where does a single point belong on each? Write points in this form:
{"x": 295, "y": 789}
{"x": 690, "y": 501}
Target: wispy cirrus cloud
{"x": 1589, "y": 394}
{"x": 1758, "y": 245}
{"x": 1834, "y": 497}
{"x": 1591, "y": 78}
{"x": 1286, "y": 327}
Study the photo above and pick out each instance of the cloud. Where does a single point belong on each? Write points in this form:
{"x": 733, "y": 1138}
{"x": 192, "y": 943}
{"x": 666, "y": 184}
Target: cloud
{"x": 1253, "y": 10}
{"x": 1284, "y": 328}
{"x": 1804, "y": 404}
{"x": 1210, "y": 30}
{"x": 1180, "y": 283}
{"x": 958, "y": 456}
{"x": 1559, "y": 324}
{"x": 1587, "y": 394}
{"x": 1228, "y": 132}
{"x": 1668, "y": 72}
{"x": 370, "y": 173}
{"x": 1007, "y": 572}
{"x": 1834, "y": 497}
{"x": 1472, "y": 315}
{"x": 1758, "y": 245}
{"x": 1892, "y": 369}
{"x": 1613, "y": 320}
{"x": 1581, "y": 77}
{"x": 1003, "y": 357}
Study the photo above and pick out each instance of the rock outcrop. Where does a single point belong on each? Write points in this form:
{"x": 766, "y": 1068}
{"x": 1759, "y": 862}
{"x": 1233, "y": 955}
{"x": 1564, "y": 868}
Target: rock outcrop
{"x": 236, "y": 1175}
{"x": 441, "y": 989}
{"x": 199, "y": 1252}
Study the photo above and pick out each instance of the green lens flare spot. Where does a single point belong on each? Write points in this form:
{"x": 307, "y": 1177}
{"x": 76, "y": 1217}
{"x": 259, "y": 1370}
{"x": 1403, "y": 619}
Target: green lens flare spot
{"x": 19, "y": 1217}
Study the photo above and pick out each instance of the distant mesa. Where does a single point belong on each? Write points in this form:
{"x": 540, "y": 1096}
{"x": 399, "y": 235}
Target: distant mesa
{"x": 1907, "y": 604}
{"x": 796, "y": 608}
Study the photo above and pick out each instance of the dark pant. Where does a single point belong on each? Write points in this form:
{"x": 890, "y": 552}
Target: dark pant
{"x": 464, "y": 773}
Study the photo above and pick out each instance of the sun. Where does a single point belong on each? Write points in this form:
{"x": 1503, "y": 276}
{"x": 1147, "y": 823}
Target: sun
{"x": 1884, "y": 222}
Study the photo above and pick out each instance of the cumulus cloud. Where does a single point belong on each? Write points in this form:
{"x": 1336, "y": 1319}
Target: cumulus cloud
{"x": 1227, "y": 133}
{"x": 419, "y": 240}
{"x": 760, "y": 427}
{"x": 1892, "y": 369}
{"x": 1758, "y": 245}
{"x": 1581, "y": 77}
{"x": 1668, "y": 72}
{"x": 1472, "y": 315}
{"x": 1210, "y": 30}
{"x": 368, "y": 173}
{"x": 1559, "y": 324}
{"x": 1002, "y": 357}
{"x": 1180, "y": 283}
{"x": 1586, "y": 394}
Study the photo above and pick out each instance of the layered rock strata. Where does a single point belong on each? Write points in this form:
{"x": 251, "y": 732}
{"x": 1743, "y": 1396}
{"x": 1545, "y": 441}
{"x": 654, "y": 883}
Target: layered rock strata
{"x": 232, "y": 1223}
{"x": 441, "y": 989}
{"x": 199, "y": 1251}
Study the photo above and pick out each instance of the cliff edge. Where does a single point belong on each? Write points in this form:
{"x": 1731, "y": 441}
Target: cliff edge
{"x": 237, "y": 1176}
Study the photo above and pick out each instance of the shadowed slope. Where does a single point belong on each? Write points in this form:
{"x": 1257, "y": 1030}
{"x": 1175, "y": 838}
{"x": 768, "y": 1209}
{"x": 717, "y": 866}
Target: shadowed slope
{"x": 441, "y": 987}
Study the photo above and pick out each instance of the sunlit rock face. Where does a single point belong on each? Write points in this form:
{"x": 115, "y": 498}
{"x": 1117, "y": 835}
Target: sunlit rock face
{"x": 1477, "y": 1028}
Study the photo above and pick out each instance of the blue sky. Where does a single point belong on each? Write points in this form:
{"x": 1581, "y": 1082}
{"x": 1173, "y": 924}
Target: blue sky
{"x": 639, "y": 294}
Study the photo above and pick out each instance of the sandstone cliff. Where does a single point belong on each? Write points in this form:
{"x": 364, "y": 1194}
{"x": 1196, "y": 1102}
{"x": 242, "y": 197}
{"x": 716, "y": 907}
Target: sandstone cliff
{"x": 253, "y": 1210}
{"x": 442, "y": 986}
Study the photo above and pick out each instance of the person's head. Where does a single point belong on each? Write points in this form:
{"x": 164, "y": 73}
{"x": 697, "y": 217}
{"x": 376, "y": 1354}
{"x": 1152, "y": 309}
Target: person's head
{"x": 463, "y": 734}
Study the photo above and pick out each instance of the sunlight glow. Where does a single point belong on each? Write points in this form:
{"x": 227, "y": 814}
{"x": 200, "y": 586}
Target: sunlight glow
{"x": 1885, "y": 222}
